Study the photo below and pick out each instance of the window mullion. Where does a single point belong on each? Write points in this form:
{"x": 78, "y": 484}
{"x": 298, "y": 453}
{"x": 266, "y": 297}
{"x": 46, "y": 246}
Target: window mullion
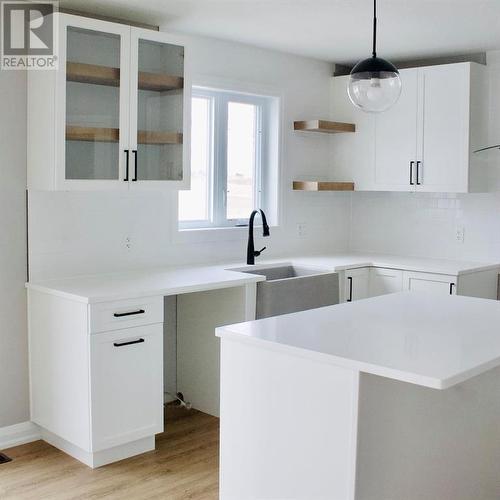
{"x": 258, "y": 157}
{"x": 221, "y": 165}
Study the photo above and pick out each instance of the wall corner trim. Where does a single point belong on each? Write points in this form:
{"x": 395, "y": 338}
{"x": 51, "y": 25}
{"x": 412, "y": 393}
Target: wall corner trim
{"x": 15, "y": 435}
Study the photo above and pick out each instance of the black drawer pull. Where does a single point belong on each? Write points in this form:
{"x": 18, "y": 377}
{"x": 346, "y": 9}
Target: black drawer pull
{"x": 419, "y": 163}
{"x": 126, "y": 165}
{"x": 121, "y": 344}
{"x": 131, "y": 313}
{"x": 452, "y": 285}
{"x": 350, "y": 289}
{"x": 134, "y": 179}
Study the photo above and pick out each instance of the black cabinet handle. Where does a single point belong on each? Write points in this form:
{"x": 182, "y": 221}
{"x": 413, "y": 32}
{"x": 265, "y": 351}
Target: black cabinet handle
{"x": 126, "y": 164}
{"x": 131, "y": 313}
{"x": 135, "y": 165}
{"x": 350, "y": 289}
{"x": 122, "y": 344}
{"x": 418, "y": 173}
{"x": 452, "y": 285}
{"x": 411, "y": 173}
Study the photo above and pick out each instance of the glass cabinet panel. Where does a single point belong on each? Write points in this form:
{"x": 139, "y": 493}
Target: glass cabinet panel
{"x": 160, "y": 111}
{"x": 92, "y": 105}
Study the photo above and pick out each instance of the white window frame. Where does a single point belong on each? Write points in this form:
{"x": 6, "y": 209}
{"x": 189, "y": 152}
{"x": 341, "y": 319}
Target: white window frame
{"x": 217, "y": 178}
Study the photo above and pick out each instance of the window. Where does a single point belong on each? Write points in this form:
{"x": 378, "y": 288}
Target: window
{"x": 234, "y": 159}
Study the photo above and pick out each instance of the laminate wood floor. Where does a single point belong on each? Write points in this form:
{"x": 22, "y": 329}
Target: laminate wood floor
{"x": 185, "y": 465}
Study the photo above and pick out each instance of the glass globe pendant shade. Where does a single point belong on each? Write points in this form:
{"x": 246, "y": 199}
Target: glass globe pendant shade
{"x": 374, "y": 85}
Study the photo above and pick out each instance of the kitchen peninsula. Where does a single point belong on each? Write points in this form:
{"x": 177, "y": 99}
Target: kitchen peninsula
{"x": 391, "y": 397}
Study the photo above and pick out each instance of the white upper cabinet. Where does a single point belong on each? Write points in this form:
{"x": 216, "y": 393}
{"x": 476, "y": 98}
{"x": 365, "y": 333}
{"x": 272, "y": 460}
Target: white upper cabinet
{"x": 158, "y": 109}
{"x": 115, "y": 114}
{"x": 444, "y": 122}
{"x": 425, "y": 142}
{"x": 396, "y": 138}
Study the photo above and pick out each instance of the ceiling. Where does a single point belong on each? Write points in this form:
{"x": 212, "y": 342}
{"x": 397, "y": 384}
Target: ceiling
{"x": 332, "y": 30}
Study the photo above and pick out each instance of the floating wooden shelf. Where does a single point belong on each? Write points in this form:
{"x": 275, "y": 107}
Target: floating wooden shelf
{"x": 98, "y": 134}
{"x": 324, "y": 126}
{"x": 105, "y": 75}
{"x": 322, "y": 186}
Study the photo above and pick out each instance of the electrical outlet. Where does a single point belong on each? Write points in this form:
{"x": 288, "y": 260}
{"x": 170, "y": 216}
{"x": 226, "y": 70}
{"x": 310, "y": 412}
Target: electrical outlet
{"x": 302, "y": 230}
{"x": 128, "y": 243}
{"x": 460, "y": 235}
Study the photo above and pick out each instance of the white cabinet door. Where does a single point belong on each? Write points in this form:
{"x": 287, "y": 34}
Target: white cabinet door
{"x": 396, "y": 139}
{"x": 443, "y": 162}
{"x": 356, "y": 284}
{"x": 92, "y": 104}
{"x": 433, "y": 283}
{"x": 160, "y": 104}
{"x": 383, "y": 281}
{"x": 126, "y": 378}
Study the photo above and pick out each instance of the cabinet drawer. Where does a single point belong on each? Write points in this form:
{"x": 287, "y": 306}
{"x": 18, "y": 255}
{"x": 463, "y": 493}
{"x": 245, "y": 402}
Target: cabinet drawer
{"x": 106, "y": 316}
{"x": 126, "y": 381}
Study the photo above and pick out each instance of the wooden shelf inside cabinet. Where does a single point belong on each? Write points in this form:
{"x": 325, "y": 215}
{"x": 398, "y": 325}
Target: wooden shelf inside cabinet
{"x": 105, "y": 75}
{"x": 98, "y": 134}
{"x": 324, "y": 126}
{"x": 159, "y": 82}
{"x": 92, "y": 134}
{"x": 322, "y": 186}
{"x": 150, "y": 137}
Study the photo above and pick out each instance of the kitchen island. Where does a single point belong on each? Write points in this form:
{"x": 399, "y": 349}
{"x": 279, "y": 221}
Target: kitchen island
{"x": 393, "y": 397}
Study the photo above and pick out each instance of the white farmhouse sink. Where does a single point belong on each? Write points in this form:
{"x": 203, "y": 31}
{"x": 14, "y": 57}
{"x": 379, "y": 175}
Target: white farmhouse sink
{"x": 289, "y": 289}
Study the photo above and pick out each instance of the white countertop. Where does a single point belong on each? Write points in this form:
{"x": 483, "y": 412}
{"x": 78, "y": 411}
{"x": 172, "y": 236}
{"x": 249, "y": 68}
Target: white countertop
{"x": 429, "y": 340}
{"x": 120, "y": 286}
{"x": 176, "y": 280}
{"x": 341, "y": 262}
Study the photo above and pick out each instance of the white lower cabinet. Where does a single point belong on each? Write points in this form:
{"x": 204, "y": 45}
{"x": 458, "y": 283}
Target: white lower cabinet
{"x": 356, "y": 284}
{"x": 97, "y": 395}
{"x": 433, "y": 283}
{"x": 383, "y": 281}
{"x": 361, "y": 283}
{"x": 126, "y": 386}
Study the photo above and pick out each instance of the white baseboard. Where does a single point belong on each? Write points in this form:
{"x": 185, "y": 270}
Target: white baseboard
{"x": 17, "y": 434}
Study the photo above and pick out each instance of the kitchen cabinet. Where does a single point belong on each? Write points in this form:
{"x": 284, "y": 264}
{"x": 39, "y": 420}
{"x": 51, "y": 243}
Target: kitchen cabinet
{"x": 126, "y": 377}
{"x": 114, "y": 115}
{"x": 425, "y": 142}
{"x": 396, "y": 137}
{"x": 356, "y": 283}
{"x": 96, "y": 375}
{"x": 361, "y": 283}
{"x": 384, "y": 281}
{"x": 433, "y": 283}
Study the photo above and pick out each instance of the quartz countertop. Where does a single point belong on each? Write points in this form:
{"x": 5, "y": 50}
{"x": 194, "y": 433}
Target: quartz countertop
{"x": 185, "y": 279}
{"x": 425, "y": 339}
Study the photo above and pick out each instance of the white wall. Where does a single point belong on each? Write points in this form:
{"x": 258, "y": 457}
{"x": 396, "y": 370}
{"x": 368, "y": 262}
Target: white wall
{"x": 13, "y": 337}
{"x": 426, "y": 224}
{"x": 75, "y": 233}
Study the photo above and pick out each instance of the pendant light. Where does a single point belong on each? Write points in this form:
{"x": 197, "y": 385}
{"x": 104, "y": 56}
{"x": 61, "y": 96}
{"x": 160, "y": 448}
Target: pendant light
{"x": 374, "y": 85}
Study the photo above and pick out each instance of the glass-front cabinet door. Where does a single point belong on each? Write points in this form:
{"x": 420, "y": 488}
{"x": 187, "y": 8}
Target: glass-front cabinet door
{"x": 96, "y": 117}
{"x": 159, "y": 107}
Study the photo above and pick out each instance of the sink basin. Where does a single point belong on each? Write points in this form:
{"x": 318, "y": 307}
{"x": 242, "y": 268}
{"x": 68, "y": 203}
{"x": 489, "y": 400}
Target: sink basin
{"x": 289, "y": 289}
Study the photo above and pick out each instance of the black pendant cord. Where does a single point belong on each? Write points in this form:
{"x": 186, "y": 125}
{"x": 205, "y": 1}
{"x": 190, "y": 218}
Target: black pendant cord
{"x": 374, "y": 52}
